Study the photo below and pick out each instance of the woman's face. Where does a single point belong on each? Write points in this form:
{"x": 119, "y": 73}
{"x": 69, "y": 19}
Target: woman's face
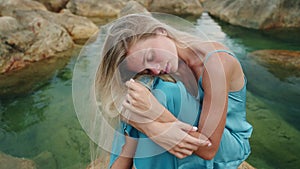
{"x": 158, "y": 54}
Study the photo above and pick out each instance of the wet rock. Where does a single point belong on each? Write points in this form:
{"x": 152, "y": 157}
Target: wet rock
{"x": 256, "y": 14}
{"x": 10, "y": 162}
{"x": 281, "y": 63}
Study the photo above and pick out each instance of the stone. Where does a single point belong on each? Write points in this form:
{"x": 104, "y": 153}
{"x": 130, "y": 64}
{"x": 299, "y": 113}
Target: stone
{"x": 8, "y": 7}
{"x": 177, "y": 7}
{"x": 54, "y": 5}
{"x": 256, "y": 14}
{"x": 281, "y": 63}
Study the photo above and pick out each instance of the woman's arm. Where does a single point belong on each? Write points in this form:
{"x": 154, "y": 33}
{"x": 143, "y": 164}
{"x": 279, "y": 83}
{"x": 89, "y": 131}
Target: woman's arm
{"x": 146, "y": 114}
{"x": 216, "y": 81}
{"x": 125, "y": 159}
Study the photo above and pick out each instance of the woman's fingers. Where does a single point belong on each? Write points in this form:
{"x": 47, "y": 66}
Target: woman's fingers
{"x": 186, "y": 127}
{"x": 190, "y": 139}
{"x": 131, "y": 84}
{"x": 178, "y": 154}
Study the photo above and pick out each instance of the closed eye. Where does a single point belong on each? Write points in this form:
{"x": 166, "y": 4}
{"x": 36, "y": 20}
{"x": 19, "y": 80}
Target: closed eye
{"x": 150, "y": 55}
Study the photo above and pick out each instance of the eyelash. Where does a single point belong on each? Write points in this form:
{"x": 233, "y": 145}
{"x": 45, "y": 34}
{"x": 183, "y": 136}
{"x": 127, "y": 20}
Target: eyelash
{"x": 150, "y": 56}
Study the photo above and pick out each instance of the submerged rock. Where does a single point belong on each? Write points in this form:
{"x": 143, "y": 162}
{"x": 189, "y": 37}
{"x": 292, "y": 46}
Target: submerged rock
{"x": 281, "y": 63}
{"x": 256, "y": 14}
{"x": 10, "y": 162}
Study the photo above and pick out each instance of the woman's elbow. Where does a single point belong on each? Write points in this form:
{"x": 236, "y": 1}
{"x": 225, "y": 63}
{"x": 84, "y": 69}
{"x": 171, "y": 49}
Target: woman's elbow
{"x": 207, "y": 155}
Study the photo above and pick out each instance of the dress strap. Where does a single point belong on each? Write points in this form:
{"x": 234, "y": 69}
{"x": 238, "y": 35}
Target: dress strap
{"x": 208, "y": 55}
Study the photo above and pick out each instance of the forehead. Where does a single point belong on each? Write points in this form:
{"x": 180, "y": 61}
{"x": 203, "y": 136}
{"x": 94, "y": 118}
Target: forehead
{"x": 142, "y": 44}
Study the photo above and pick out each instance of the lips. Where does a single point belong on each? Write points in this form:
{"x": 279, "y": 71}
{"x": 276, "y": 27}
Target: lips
{"x": 167, "y": 69}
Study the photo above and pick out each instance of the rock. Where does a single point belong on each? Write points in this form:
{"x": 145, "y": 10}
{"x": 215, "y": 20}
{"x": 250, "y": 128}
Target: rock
{"x": 131, "y": 8}
{"x": 54, "y": 5}
{"x": 8, "y": 24}
{"x": 106, "y": 8}
{"x": 281, "y": 63}
{"x": 8, "y": 7}
{"x": 78, "y": 27}
{"x": 264, "y": 14}
{"x": 9, "y": 162}
{"x": 21, "y": 50}
{"x": 92, "y": 8}
{"x": 245, "y": 165}
{"x": 177, "y": 7}
{"x": 39, "y": 40}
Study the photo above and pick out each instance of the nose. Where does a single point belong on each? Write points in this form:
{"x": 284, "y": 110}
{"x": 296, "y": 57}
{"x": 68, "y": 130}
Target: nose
{"x": 155, "y": 69}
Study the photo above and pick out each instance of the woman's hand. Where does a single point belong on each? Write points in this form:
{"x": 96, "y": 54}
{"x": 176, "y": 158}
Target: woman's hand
{"x": 174, "y": 137}
{"x": 141, "y": 103}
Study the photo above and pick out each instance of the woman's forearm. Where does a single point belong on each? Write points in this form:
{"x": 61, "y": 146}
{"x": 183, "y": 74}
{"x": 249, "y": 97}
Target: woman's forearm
{"x": 125, "y": 159}
{"x": 166, "y": 117}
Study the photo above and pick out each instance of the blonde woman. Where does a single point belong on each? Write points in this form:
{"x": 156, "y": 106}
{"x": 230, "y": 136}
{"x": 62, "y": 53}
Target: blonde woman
{"x": 141, "y": 43}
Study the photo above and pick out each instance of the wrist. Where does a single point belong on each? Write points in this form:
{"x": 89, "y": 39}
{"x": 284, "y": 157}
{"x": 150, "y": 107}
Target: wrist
{"x": 166, "y": 117}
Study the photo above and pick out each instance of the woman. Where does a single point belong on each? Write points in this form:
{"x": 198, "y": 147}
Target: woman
{"x": 156, "y": 48}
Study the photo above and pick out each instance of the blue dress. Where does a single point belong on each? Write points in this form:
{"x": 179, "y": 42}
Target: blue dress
{"x": 234, "y": 147}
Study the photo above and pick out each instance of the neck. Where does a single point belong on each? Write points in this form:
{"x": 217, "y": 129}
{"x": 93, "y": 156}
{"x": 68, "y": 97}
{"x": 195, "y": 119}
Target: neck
{"x": 192, "y": 56}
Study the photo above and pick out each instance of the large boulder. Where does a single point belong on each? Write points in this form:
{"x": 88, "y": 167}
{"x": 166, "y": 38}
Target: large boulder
{"x": 263, "y": 14}
{"x": 281, "y": 63}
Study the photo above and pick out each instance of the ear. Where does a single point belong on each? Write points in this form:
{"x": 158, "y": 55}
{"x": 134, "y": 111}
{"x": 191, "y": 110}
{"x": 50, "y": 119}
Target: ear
{"x": 161, "y": 31}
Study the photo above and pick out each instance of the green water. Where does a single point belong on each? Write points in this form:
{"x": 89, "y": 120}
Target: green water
{"x": 43, "y": 125}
